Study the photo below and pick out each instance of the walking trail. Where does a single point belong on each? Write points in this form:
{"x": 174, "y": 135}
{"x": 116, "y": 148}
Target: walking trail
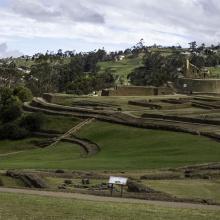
{"x": 111, "y": 199}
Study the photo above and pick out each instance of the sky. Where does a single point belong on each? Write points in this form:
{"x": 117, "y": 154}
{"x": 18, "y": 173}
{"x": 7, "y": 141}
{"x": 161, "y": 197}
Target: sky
{"x": 35, "y": 26}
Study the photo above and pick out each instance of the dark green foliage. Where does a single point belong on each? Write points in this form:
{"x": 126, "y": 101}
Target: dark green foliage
{"x": 11, "y": 113}
{"x": 21, "y": 128}
{"x": 33, "y": 88}
{"x": 59, "y": 171}
{"x": 32, "y": 122}
{"x": 87, "y": 85}
{"x": 25, "y": 95}
{"x": 6, "y": 94}
{"x": 74, "y": 92}
{"x": 156, "y": 69}
{"x": 13, "y": 131}
{"x": 11, "y": 102}
{"x": 18, "y": 89}
{"x": 158, "y": 79}
{"x": 197, "y": 61}
{"x": 10, "y": 109}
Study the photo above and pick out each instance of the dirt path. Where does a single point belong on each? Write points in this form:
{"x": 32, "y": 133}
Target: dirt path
{"x": 9, "y": 154}
{"x": 111, "y": 199}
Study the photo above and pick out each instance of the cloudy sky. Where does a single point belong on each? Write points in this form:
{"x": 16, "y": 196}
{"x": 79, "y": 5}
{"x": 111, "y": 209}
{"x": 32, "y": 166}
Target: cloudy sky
{"x": 31, "y": 26}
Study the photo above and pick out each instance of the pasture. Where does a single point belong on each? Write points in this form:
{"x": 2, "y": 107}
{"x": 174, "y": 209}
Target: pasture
{"x": 121, "y": 147}
{"x": 43, "y": 207}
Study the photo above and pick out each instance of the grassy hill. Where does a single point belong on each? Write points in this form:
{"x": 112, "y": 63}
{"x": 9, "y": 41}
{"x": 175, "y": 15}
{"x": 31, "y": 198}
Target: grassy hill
{"x": 121, "y": 147}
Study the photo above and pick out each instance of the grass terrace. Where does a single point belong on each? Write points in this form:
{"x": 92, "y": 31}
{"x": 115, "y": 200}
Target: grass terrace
{"x": 121, "y": 147}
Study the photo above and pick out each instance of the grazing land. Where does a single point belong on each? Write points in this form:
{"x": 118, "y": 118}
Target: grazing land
{"x": 128, "y": 148}
{"x": 160, "y": 165}
{"x": 43, "y": 207}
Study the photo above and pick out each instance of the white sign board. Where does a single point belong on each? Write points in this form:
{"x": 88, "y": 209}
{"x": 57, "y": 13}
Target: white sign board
{"x": 184, "y": 85}
{"x": 118, "y": 180}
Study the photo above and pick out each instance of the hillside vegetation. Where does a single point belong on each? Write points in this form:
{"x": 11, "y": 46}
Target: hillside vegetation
{"x": 121, "y": 147}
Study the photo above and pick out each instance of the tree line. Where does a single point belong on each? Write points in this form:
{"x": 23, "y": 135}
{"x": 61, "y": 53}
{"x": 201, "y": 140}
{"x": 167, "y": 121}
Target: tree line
{"x": 50, "y": 74}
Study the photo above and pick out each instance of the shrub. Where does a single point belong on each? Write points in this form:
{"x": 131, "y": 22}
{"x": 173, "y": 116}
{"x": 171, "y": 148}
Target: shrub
{"x": 13, "y": 131}
{"x": 18, "y": 89}
{"x": 25, "y": 94}
{"x": 32, "y": 122}
{"x": 11, "y": 113}
{"x": 6, "y": 94}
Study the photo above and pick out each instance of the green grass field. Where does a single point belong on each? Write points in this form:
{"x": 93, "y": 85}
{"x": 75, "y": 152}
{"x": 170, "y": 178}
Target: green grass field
{"x": 20, "y": 206}
{"x": 121, "y": 148}
{"x": 214, "y": 71}
{"x": 9, "y": 146}
{"x": 188, "y": 188}
{"x": 122, "y": 101}
{"x": 122, "y": 67}
{"x": 59, "y": 124}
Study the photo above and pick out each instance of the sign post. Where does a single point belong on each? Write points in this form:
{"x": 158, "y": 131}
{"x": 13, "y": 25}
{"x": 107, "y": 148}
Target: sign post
{"x": 117, "y": 181}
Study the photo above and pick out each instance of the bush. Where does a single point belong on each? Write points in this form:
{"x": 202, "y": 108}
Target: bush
{"x": 25, "y": 94}
{"x": 11, "y": 113}
{"x": 13, "y": 131}
{"x": 6, "y": 94}
{"x": 18, "y": 89}
{"x": 32, "y": 122}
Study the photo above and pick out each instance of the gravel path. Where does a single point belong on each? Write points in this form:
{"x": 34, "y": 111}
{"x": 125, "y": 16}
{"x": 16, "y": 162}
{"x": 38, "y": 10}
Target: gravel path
{"x": 9, "y": 154}
{"x": 111, "y": 199}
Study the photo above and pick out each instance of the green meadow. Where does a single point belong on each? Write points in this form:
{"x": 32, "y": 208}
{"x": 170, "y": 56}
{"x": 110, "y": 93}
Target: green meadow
{"x": 20, "y": 206}
{"x": 121, "y": 147}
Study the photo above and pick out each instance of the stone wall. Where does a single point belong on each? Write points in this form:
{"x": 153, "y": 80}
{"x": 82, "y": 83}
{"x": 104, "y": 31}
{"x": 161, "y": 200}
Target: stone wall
{"x": 163, "y": 91}
{"x": 137, "y": 91}
{"x": 55, "y": 97}
{"x": 161, "y": 107}
{"x": 181, "y": 118}
{"x": 198, "y": 85}
{"x": 190, "y": 70}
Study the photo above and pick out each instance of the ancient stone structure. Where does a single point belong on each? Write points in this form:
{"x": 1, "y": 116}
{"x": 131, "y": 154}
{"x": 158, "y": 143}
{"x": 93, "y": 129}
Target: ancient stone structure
{"x": 196, "y": 81}
{"x": 190, "y": 70}
{"x": 137, "y": 91}
{"x": 198, "y": 85}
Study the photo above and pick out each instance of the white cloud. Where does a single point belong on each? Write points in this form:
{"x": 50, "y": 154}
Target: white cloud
{"x": 67, "y": 10}
{"x": 4, "y": 52}
{"x": 169, "y": 22}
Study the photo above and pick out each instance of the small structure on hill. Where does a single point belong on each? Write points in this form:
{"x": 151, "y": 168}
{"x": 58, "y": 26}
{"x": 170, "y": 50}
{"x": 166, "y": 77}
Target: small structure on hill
{"x": 137, "y": 91}
{"x": 190, "y": 70}
{"x": 196, "y": 80}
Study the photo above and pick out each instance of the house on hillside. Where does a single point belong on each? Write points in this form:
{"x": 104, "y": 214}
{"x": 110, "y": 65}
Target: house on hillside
{"x": 186, "y": 53}
{"x": 120, "y": 57}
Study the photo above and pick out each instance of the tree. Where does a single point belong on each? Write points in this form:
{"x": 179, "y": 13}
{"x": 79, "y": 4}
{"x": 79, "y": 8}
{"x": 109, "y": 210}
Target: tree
{"x": 193, "y": 45}
{"x": 32, "y": 122}
{"x": 60, "y": 53}
{"x": 197, "y": 61}
{"x": 156, "y": 69}
{"x": 10, "y": 77}
{"x": 11, "y": 113}
{"x": 10, "y": 106}
{"x": 45, "y": 74}
{"x": 24, "y": 94}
